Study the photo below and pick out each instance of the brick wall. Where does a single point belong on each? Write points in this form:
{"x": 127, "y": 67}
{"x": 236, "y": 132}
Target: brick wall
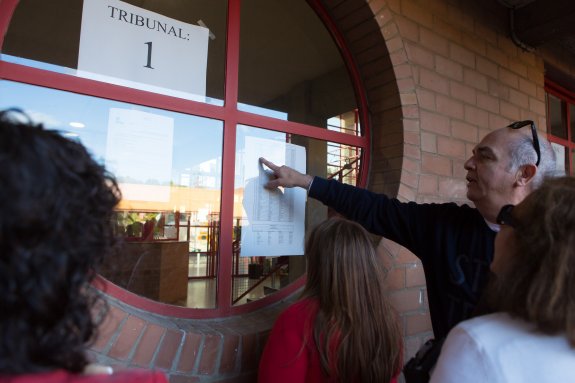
{"x": 186, "y": 350}
{"x": 439, "y": 75}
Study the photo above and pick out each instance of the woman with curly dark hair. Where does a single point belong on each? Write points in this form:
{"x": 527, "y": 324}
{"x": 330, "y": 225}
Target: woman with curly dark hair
{"x": 344, "y": 328}
{"x": 531, "y": 337}
{"x": 56, "y": 206}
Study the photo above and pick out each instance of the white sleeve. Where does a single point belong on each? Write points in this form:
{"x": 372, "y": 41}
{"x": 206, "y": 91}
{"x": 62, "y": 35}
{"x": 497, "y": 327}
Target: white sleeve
{"x": 462, "y": 360}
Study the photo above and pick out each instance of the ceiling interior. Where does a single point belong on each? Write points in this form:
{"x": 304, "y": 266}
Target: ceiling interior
{"x": 548, "y": 25}
{"x": 539, "y": 22}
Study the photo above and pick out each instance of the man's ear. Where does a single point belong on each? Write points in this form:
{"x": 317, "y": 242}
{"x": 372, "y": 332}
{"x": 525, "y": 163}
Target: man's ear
{"x": 525, "y": 174}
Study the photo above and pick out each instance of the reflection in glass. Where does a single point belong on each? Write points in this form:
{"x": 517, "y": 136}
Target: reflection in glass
{"x": 148, "y": 49}
{"x": 290, "y": 65}
{"x": 343, "y": 162}
{"x": 256, "y": 277}
{"x": 170, "y": 184}
{"x": 561, "y": 158}
{"x": 557, "y": 116}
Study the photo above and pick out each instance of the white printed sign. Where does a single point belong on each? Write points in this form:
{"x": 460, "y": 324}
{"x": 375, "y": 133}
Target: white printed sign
{"x": 131, "y": 46}
{"x": 273, "y": 220}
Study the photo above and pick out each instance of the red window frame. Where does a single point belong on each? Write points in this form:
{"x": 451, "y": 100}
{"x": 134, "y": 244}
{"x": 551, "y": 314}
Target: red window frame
{"x": 568, "y": 97}
{"x": 231, "y": 117}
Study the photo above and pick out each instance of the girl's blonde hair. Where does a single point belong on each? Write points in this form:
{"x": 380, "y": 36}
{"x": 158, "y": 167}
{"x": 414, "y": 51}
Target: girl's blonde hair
{"x": 356, "y": 329}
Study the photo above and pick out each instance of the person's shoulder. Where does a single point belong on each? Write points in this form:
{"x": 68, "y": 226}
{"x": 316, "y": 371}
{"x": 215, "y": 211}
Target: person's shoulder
{"x": 456, "y": 208}
{"x": 136, "y": 376}
{"x": 44, "y": 377}
{"x": 300, "y": 310}
{"x": 62, "y": 376}
{"x": 445, "y": 206}
{"x": 123, "y": 376}
{"x": 144, "y": 376}
{"x": 484, "y": 322}
{"x": 495, "y": 329}
{"x": 297, "y": 317}
{"x": 494, "y": 320}
{"x": 448, "y": 211}
{"x": 501, "y": 329}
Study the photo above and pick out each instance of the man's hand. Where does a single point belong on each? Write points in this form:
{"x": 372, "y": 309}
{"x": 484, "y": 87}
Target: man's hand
{"x": 285, "y": 176}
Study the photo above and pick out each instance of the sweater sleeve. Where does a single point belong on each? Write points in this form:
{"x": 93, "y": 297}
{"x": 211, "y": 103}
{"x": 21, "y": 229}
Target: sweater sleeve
{"x": 285, "y": 357}
{"x": 407, "y": 223}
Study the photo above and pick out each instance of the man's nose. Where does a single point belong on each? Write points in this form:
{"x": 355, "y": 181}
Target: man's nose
{"x": 469, "y": 164}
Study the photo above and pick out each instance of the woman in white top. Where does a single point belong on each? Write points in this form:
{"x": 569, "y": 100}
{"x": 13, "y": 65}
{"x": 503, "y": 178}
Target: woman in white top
{"x": 531, "y": 337}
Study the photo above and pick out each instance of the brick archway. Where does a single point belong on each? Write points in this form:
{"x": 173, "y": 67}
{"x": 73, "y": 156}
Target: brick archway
{"x": 373, "y": 36}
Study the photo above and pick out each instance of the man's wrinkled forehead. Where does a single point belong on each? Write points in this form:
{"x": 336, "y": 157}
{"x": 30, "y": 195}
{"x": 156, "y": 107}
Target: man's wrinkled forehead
{"x": 496, "y": 144}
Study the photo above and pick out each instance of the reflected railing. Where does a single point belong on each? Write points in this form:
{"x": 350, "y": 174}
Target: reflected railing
{"x": 258, "y": 273}
{"x": 346, "y": 170}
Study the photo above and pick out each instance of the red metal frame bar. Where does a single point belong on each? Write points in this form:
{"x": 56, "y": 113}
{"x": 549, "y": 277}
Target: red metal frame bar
{"x": 569, "y": 97}
{"x": 224, "y": 289}
{"x": 79, "y": 85}
{"x": 7, "y": 8}
{"x": 357, "y": 81}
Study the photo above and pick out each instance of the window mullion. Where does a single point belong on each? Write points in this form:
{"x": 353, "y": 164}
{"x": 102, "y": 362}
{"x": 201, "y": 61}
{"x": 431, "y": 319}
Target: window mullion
{"x": 224, "y": 290}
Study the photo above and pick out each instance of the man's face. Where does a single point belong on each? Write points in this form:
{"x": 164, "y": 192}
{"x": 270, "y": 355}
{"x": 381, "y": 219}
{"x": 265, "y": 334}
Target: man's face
{"x": 490, "y": 178}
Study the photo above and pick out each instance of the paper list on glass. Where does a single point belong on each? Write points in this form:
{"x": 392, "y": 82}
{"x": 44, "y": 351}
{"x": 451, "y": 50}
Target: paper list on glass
{"x": 273, "y": 221}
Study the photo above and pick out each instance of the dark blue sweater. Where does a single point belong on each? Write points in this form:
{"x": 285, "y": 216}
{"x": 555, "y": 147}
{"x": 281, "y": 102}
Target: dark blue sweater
{"x": 453, "y": 242}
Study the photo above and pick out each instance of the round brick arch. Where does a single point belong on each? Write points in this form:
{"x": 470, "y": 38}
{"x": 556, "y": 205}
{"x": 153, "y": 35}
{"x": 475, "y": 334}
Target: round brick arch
{"x": 377, "y": 35}
{"x": 374, "y": 36}
{"x": 228, "y": 349}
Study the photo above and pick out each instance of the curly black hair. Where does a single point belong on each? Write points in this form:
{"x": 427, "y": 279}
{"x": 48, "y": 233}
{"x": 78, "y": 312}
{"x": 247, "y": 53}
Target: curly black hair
{"x": 56, "y": 208}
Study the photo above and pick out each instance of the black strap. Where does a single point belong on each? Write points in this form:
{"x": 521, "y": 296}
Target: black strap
{"x": 418, "y": 368}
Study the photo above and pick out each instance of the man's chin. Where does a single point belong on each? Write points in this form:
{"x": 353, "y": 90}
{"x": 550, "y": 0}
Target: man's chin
{"x": 471, "y": 195}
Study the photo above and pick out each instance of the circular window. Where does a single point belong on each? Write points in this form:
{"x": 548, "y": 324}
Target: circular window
{"x": 179, "y": 100}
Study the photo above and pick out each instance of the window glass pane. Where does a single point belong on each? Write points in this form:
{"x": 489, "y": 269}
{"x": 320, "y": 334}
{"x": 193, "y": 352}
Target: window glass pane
{"x": 561, "y": 157}
{"x": 170, "y": 47}
{"x": 343, "y": 161}
{"x": 255, "y": 277}
{"x": 557, "y": 116}
{"x": 171, "y": 184}
{"x": 290, "y": 67}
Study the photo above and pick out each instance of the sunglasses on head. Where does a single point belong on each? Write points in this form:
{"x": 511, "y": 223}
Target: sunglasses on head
{"x": 505, "y": 218}
{"x": 519, "y": 125}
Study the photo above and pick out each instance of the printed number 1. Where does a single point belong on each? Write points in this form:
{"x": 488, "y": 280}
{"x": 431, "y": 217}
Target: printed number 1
{"x": 149, "y": 63}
